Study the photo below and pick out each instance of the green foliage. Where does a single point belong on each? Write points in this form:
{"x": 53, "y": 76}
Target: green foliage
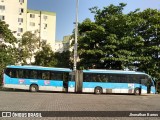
{"x": 28, "y": 46}
{"x": 46, "y": 57}
{"x": 121, "y": 41}
{"x": 63, "y": 59}
{"x": 7, "y": 48}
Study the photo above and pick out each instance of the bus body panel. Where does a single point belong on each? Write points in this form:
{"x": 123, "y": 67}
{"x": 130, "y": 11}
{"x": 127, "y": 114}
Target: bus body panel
{"x": 20, "y": 83}
{"x": 110, "y": 87}
{"x": 44, "y": 85}
{"x": 153, "y": 89}
{"x": 71, "y": 86}
{"x": 115, "y": 87}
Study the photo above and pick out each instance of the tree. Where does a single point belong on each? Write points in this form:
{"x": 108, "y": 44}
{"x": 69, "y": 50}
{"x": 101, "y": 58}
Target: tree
{"x": 8, "y": 54}
{"x": 28, "y": 46}
{"x": 110, "y": 40}
{"x": 120, "y": 41}
{"x": 45, "y": 56}
{"x": 63, "y": 59}
{"x": 149, "y": 30}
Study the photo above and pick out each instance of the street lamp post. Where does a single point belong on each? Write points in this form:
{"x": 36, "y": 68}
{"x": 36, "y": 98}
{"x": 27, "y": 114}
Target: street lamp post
{"x": 76, "y": 34}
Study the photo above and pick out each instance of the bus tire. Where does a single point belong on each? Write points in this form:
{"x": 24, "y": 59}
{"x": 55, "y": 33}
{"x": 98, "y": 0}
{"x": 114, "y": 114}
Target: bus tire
{"x": 137, "y": 91}
{"x": 34, "y": 88}
{"x": 98, "y": 90}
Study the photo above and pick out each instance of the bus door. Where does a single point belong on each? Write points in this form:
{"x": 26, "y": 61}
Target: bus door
{"x": 71, "y": 82}
{"x": 143, "y": 86}
{"x": 147, "y": 86}
{"x": 150, "y": 86}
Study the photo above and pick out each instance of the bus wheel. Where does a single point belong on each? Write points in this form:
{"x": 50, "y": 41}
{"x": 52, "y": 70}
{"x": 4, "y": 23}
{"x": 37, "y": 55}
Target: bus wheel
{"x": 137, "y": 91}
{"x": 98, "y": 90}
{"x": 33, "y": 88}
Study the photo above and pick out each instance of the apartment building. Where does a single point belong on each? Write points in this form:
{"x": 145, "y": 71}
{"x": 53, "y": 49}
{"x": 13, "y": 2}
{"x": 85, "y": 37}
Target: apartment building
{"x": 43, "y": 23}
{"x": 67, "y": 41}
{"x": 13, "y": 12}
{"x": 20, "y": 19}
{"x": 58, "y": 47}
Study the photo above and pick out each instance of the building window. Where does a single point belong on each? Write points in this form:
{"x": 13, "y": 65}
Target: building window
{"x": 21, "y": 1}
{"x": 32, "y": 24}
{"x": 21, "y": 10}
{"x": 2, "y": 7}
{"x": 32, "y": 15}
{"x": 45, "y": 25}
{"x": 45, "y": 17}
{"x": 2, "y": 17}
{"x": 20, "y": 20}
{"x": 20, "y": 30}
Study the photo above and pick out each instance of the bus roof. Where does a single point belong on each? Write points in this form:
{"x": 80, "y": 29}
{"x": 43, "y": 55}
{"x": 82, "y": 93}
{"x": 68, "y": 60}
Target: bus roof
{"x": 39, "y": 68}
{"x": 112, "y": 71}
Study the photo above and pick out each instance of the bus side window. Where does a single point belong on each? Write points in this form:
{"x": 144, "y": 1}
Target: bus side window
{"x": 45, "y": 75}
{"x": 113, "y": 78}
{"x": 33, "y": 74}
{"x": 20, "y": 73}
{"x": 98, "y": 79}
{"x": 86, "y": 78}
{"x": 56, "y": 75}
{"x": 104, "y": 78}
{"x": 27, "y": 74}
{"x": 13, "y": 73}
{"x": 8, "y": 72}
{"x": 59, "y": 76}
{"x": 93, "y": 78}
{"x": 132, "y": 79}
{"x": 149, "y": 82}
{"x": 52, "y": 75}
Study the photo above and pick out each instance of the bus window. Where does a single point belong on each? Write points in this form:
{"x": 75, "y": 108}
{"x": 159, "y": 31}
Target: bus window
{"x": 94, "y": 78}
{"x": 52, "y": 74}
{"x": 33, "y": 74}
{"x": 98, "y": 79}
{"x": 45, "y": 75}
{"x": 149, "y": 82}
{"x": 20, "y": 73}
{"x": 13, "y": 73}
{"x": 86, "y": 77}
{"x": 56, "y": 75}
{"x": 8, "y": 72}
{"x": 104, "y": 78}
{"x": 114, "y": 78}
{"x": 26, "y": 74}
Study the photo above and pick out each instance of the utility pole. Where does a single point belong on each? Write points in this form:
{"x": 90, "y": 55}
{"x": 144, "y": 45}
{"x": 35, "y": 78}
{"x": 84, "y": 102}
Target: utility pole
{"x": 76, "y": 34}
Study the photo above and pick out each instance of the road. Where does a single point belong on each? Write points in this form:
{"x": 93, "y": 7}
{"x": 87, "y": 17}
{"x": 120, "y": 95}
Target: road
{"x": 49, "y": 101}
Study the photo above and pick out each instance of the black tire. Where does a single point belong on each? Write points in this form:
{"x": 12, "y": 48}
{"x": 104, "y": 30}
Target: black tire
{"x": 98, "y": 90}
{"x": 33, "y": 88}
{"x": 137, "y": 91}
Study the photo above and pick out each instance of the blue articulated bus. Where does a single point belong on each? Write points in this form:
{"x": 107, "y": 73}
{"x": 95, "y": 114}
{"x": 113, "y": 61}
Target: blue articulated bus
{"x": 36, "y": 78}
{"x": 113, "y": 81}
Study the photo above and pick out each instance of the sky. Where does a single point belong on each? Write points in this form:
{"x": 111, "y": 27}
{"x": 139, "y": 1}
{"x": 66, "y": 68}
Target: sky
{"x": 66, "y": 10}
